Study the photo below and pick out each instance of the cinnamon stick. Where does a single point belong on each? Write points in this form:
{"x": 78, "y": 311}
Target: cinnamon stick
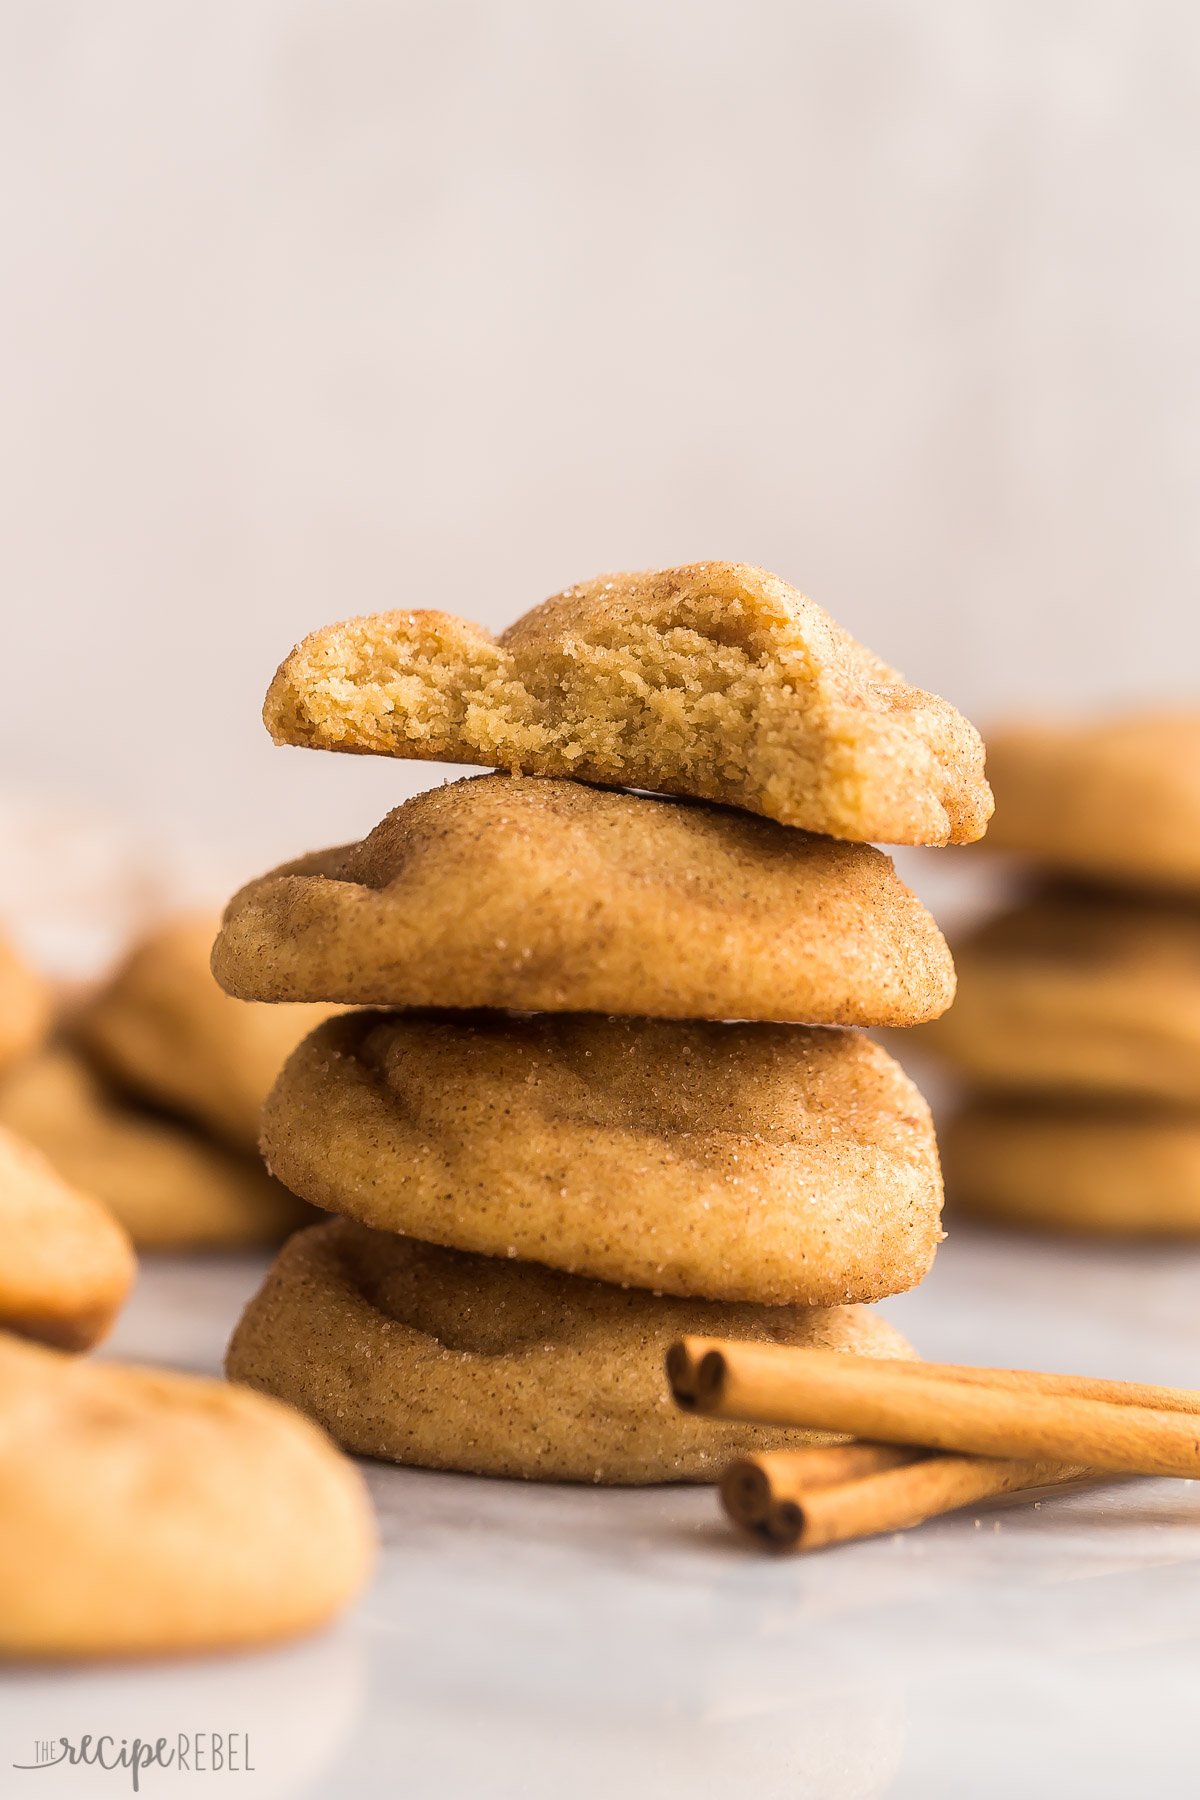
{"x": 684, "y": 1358}
{"x": 750, "y": 1486}
{"x": 773, "y": 1497}
{"x": 1035, "y": 1381}
{"x": 902, "y": 1403}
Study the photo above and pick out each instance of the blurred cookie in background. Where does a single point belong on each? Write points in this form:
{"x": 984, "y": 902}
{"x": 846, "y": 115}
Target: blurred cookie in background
{"x": 1116, "y": 798}
{"x": 26, "y": 1007}
{"x": 1076, "y": 1027}
{"x": 66, "y": 1265}
{"x": 147, "y": 1512}
{"x": 171, "y": 1187}
{"x": 1056, "y": 1167}
{"x": 1078, "y": 992}
{"x": 163, "y": 1029}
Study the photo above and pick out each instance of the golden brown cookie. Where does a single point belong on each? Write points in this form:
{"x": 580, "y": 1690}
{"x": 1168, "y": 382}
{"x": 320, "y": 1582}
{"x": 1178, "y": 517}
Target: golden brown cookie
{"x": 25, "y": 1008}
{"x": 171, "y": 1188}
{"x": 66, "y": 1265}
{"x": 551, "y": 896}
{"x": 1116, "y": 798}
{"x": 767, "y": 1163}
{"x": 716, "y": 680}
{"x": 493, "y": 1367}
{"x": 165, "y": 1030}
{"x": 1079, "y": 993}
{"x": 143, "y": 1512}
{"x": 1120, "y": 1172}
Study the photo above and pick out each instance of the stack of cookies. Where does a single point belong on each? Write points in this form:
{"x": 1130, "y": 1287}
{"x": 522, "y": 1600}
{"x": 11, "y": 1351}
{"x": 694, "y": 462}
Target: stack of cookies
{"x": 608, "y": 1088}
{"x": 1076, "y": 1022}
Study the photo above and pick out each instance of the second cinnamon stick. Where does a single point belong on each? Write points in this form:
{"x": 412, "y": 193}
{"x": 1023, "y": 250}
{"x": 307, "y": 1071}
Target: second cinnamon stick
{"x": 772, "y": 1497}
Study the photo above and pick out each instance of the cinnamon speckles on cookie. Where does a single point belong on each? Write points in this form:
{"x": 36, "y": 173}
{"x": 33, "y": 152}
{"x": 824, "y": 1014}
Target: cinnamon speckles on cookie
{"x": 739, "y": 1162}
{"x": 494, "y": 1367}
{"x": 553, "y": 896}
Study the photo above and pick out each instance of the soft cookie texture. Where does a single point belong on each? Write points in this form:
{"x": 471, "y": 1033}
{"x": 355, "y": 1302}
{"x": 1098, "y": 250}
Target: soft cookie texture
{"x": 66, "y": 1265}
{"x": 765, "y": 1163}
{"x": 143, "y": 1512}
{"x": 1082, "y": 994}
{"x": 164, "y": 1029}
{"x": 428, "y": 1356}
{"x": 1118, "y": 1172}
{"x": 25, "y": 1007}
{"x": 1117, "y": 799}
{"x": 717, "y": 680}
{"x": 552, "y": 896}
{"x": 171, "y": 1188}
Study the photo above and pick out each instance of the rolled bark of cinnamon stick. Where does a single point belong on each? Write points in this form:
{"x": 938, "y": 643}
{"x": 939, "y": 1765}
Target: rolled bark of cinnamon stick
{"x": 1082, "y": 1387}
{"x": 750, "y": 1485}
{"x": 684, "y": 1358}
{"x": 885, "y": 1402}
{"x": 772, "y": 1498}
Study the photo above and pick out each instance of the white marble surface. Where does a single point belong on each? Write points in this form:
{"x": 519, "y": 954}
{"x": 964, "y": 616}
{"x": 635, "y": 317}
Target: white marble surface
{"x": 549, "y": 1641}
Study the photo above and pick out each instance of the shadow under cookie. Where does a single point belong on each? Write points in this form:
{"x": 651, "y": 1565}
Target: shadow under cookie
{"x": 422, "y": 1355}
{"x": 768, "y": 1163}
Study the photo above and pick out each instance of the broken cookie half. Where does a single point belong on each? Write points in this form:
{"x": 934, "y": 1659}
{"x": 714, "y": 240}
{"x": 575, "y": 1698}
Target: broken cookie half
{"x": 716, "y": 680}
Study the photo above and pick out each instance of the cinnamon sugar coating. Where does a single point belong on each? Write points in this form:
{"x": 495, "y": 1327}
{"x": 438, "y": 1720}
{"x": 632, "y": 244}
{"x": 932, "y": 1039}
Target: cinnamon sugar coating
{"x": 766, "y": 1163}
{"x": 428, "y": 1356}
{"x": 553, "y": 896}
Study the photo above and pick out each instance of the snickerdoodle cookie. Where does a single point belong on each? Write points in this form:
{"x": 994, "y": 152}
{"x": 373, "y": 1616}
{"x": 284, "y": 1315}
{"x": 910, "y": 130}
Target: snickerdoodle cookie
{"x": 429, "y": 1356}
{"x": 143, "y": 1512}
{"x": 768, "y": 1163}
{"x": 1127, "y": 1171}
{"x": 717, "y": 680}
{"x": 25, "y": 1007}
{"x": 553, "y": 896}
{"x": 1079, "y": 993}
{"x": 170, "y": 1187}
{"x": 164, "y": 1029}
{"x": 1117, "y": 799}
{"x": 66, "y": 1265}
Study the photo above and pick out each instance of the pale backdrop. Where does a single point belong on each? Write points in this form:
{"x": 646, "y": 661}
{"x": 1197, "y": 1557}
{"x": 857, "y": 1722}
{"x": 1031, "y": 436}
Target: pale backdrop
{"x": 314, "y": 306}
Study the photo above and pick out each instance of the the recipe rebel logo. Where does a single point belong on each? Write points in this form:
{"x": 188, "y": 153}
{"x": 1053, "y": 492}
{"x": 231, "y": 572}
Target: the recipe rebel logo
{"x": 193, "y": 1753}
